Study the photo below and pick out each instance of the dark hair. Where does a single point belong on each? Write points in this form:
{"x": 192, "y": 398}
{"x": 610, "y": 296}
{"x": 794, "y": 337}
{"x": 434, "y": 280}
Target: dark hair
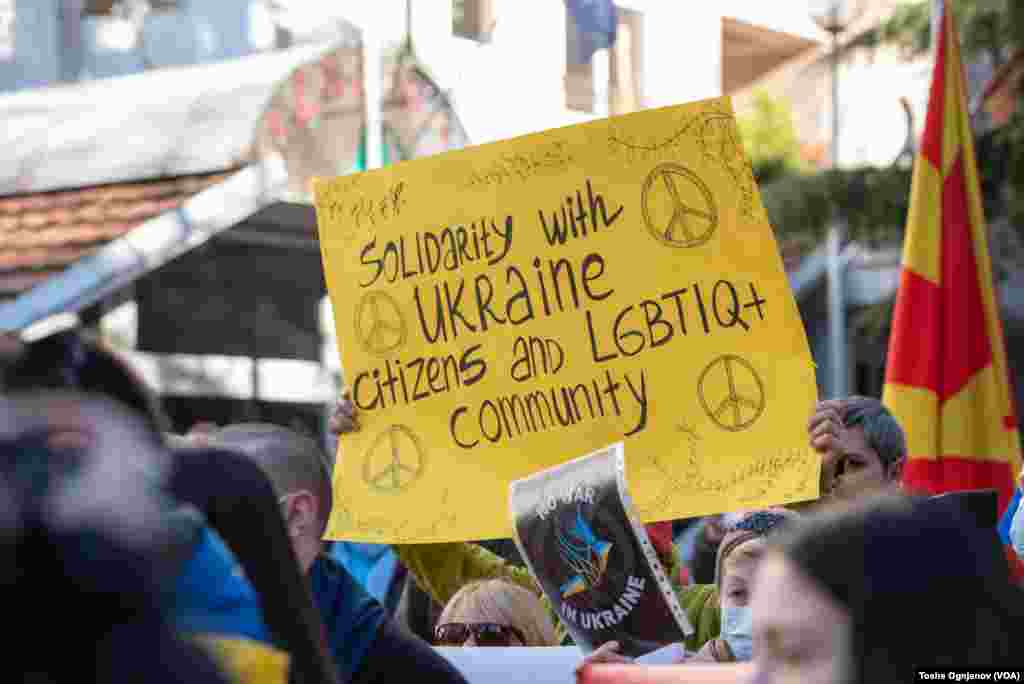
{"x": 881, "y": 429}
{"x": 71, "y": 360}
{"x": 894, "y": 563}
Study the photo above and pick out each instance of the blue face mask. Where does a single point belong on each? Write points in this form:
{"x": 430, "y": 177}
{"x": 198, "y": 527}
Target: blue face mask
{"x": 737, "y": 631}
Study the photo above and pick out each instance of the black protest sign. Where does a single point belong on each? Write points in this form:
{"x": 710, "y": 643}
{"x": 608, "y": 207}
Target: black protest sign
{"x": 576, "y": 529}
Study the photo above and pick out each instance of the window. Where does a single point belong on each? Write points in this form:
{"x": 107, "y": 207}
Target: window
{"x": 473, "y": 19}
{"x": 619, "y": 89}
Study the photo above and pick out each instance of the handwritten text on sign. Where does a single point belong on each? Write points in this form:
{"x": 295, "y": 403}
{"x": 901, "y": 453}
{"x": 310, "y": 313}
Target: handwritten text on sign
{"x": 503, "y": 306}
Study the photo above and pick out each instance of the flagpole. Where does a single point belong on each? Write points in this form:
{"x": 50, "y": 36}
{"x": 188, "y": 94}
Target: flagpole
{"x": 937, "y": 8}
{"x": 601, "y": 69}
{"x": 373, "y": 92}
{"x": 834, "y": 244}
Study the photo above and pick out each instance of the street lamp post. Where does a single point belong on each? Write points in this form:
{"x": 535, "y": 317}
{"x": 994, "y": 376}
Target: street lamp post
{"x": 834, "y": 17}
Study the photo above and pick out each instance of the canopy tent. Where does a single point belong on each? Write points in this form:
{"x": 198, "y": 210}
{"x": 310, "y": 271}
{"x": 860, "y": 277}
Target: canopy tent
{"x": 154, "y": 124}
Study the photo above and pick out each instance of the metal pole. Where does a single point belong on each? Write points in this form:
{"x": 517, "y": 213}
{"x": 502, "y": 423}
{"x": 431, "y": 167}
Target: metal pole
{"x": 373, "y": 91}
{"x": 938, "y": 6}
{"x": 601, "y": 70}
{"x": 835, "y": 99}
{"x": 836, "y": 303}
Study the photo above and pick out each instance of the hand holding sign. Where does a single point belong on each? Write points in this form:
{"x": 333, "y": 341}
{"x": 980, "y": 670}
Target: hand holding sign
{"x": 344, "y": 417}
{"x": 608, "y": 281}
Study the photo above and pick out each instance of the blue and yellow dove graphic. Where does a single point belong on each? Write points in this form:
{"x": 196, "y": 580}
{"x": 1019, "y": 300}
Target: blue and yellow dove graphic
{"x": 584, "y": 554}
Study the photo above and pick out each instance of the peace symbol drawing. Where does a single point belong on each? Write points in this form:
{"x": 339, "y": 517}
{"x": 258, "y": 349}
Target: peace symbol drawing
{"x": 678, "y": 207}
{"x": 731, "y": 393}
{"x": 380, "y": 326}
{"x": 394, "y": 460}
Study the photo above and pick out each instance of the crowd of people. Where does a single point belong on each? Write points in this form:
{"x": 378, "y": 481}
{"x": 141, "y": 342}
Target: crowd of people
{"x": 200, "y": 556}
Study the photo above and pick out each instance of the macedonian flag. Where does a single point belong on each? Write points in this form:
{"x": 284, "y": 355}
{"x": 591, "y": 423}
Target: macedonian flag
{"x": 946, "y": 379}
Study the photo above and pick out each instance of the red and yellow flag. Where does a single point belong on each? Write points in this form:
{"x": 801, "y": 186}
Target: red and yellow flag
{"x": 946, "y": 379}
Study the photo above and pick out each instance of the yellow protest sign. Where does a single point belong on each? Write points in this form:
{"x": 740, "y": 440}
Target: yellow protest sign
{"x": 503, "y": 308}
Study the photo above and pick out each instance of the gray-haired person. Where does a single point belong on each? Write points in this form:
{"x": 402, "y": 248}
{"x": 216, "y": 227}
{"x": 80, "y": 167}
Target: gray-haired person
{"x": 862, "y": 445}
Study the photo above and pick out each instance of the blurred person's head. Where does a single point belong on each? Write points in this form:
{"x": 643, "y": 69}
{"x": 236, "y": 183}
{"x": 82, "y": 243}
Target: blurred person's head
{"x": 85, "y": 458}
{"x": 494, "y": 613}
{"x": 297, "y": 468}
{"x": 868, "y": 592}
{"x": 870, "y": 450}
{"x": 83, "y": 522}
{"x": 75, "y": 361}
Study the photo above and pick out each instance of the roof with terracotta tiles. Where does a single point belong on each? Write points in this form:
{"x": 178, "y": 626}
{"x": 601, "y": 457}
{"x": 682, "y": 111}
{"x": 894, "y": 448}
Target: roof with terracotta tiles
{"x": 42, "y": 233}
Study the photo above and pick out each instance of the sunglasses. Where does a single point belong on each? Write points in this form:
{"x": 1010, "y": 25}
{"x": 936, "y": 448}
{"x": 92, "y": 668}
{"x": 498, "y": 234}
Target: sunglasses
{"x": 485, "y": 634}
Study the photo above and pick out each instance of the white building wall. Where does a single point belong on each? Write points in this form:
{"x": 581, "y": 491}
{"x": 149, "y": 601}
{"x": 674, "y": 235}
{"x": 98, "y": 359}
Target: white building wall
{"x": 682, "y": 52}
{"x": 514, "y": 84}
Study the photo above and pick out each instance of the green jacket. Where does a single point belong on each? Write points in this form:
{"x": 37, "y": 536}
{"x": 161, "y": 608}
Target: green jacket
{"x": 441, "y": 569}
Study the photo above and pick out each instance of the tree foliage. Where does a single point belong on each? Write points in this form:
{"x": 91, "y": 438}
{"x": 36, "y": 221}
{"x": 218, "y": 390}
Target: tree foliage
{"x": 990, "y": 30}
{"x": 769, "y": 135}
{"x": 873, "y": 201}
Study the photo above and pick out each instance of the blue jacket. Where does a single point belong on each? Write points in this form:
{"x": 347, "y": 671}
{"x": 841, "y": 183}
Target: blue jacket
{"x": 350, "y": 615}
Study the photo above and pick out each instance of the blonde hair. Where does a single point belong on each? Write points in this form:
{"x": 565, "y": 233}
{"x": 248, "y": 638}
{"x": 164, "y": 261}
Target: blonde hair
{"x": 502, "y": 602}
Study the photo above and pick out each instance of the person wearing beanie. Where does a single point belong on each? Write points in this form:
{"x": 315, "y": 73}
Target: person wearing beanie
{"x": 872, "y": 591}
{"x": 741, "y": 550}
